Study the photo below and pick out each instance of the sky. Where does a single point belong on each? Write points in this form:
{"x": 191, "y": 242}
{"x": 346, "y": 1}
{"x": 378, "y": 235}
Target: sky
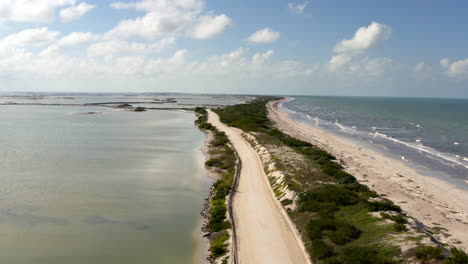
{"x": 405, "y": 48}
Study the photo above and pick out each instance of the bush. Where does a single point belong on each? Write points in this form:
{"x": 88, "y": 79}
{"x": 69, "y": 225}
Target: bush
{"x": 457, "y": 256}
{"x": 365, "y": 255}
{"x": 399, "y": 227}
{"x": 428, "y": 252}
{"x": 339, "y": 232}
{"x": 333, "y": 169}
{"x": 214, "y": 162}
{"x": 200, "y": 110}
{"x": 285, "y": 202}
{"x": 315, "y": 227}
{"x": 326, "y": 199}
{"x": 320, "y": 250}
{"x": 383, "y": 206}
{"x": 218, "y": 246}
{"x": 400, "y": 219}
{"x": 344, "y": 233}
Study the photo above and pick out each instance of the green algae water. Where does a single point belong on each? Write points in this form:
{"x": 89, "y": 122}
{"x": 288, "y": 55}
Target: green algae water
{"x": 116, "y": 187}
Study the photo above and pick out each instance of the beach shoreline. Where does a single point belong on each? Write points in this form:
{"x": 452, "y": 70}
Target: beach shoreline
{"x": 435, "y": 203}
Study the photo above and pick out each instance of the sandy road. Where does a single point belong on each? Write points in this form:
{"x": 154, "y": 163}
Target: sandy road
{"x": 264, "y": 232}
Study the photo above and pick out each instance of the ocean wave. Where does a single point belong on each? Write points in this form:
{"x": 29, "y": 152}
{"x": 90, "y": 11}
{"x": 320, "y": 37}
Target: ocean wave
{"x": 427, "y": 150}
{"x": 447, "y": 159}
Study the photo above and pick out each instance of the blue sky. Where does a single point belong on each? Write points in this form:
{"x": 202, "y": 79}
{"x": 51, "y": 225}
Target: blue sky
{"x": 371, "y": 48}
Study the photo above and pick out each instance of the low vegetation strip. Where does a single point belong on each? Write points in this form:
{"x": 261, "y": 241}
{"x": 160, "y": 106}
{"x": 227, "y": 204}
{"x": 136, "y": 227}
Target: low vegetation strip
{"x": 340, "y": 220}
{"x": 223, "y": 160}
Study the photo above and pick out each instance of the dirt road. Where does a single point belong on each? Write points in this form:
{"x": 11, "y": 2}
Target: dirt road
{"x": 264, "y": 232}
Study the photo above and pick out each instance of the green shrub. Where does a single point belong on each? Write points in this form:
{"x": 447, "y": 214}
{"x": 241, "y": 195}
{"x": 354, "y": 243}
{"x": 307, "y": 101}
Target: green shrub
{"x": 400, "y": 219}
{"x": 218, "y": 245}
{"x": 214, "y": 162}
{"x": 333, "y": 169}
{"x": 457, "y": 256}
{"x": 285, "y": 202}
{"x": 315, "y": 227}
{"x": 399, "y": 227}
{"x": 338, "y": 232}
{"x": 344, "y": 233}
{"x": 200, "y": 110}
{"x": 428, "y": 252}
{"x": 365, "y": 255}
{"x": 326, "y": 199}
{"x": 383, "y": 206}
{"x": 320, "y": 250}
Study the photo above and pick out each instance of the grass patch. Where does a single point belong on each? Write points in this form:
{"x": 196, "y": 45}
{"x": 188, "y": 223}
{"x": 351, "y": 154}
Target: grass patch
{"x": 457, "y": 256}
{"x": 428, "y": 252}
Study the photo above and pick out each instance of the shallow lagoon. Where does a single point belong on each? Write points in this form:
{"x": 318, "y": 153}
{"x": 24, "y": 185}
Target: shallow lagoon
{"x": 117, "y": 187}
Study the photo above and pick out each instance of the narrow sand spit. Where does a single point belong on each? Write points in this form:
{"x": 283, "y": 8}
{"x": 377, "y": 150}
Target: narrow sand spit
{"x": 264, "y": 232}
{"x": 433, "y": 202}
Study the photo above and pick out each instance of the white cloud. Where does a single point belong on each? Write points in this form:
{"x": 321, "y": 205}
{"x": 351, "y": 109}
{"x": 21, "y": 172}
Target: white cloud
{"x": 365, "y": 38}
{"x": 36, "y": 37}
{"x": 420, "y": 67}
{"x": 72, "y": 39}
{"x": 75, "y": 12}
{"x": 76, "y": 38}
{"x": 162, "y": 17}
{"x": 162, "y": 5}
{"x": 31, "y": 10}
{"x": 367, "y": 67}
{"x": 337, "y": 62}
{"x": 266, "y": 35}
{"x": 349, "y": 58}
{"x": 262, "y": 58}
{"x": 457, "y": 69}
{"x": 210, "y": 26}
{"x": 149, "y": 26}
{"x": 445, "y": 62}
{"x": 297, "y": 8}
{"x": 119, "y": 47}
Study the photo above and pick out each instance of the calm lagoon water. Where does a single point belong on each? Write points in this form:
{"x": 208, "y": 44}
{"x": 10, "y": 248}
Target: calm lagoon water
{"x": 117, "y": 187}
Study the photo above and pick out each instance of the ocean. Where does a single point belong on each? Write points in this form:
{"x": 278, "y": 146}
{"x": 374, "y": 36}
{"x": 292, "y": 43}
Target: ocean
{"x": 112, "y": 187}
{"x": 431, "y": 135}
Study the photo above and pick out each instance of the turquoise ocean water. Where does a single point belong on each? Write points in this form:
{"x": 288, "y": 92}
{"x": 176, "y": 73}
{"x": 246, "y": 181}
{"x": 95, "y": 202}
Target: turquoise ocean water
{"x": 429, "y": 134}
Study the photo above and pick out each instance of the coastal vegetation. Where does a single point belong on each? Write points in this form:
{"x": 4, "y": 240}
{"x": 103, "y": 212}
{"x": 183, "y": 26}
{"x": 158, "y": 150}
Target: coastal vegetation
{"x": 340, "y": 220}
{"x": 222, "y": 159}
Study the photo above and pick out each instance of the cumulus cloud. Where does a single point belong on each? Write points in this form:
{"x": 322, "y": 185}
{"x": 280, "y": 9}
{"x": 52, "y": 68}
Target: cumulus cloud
{"x": 366, "y": 67}
{"x": 169, "y": 17}
{"x": 457, "y": 69}
{"x": 298, "y": 8}
{"x": 119, "y": 47}
{"x": 263, "y": 36}
{"x": 75, "y": 12}
{"x": 161, "y": 5}
{"x": 76, "y": 38}
{"x": 36, "y": 37}
{"x": 34, "y": 10}
{"x": 349, "y": 57}
{"x": 262, "y": 58}
{"x": 210, "y": 26}
{"x": 445, "y": 62}
{"x": 365, "y": 38}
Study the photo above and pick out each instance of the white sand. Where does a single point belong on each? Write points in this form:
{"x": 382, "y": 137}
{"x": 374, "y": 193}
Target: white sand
{"x": 427, "y": 199}
{"x": 265, "y": 233}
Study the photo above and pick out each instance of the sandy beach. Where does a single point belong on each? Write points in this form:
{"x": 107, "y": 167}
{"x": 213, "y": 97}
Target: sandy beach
{"x": 265, "y": 233}
{"x": 435, "y": 203}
